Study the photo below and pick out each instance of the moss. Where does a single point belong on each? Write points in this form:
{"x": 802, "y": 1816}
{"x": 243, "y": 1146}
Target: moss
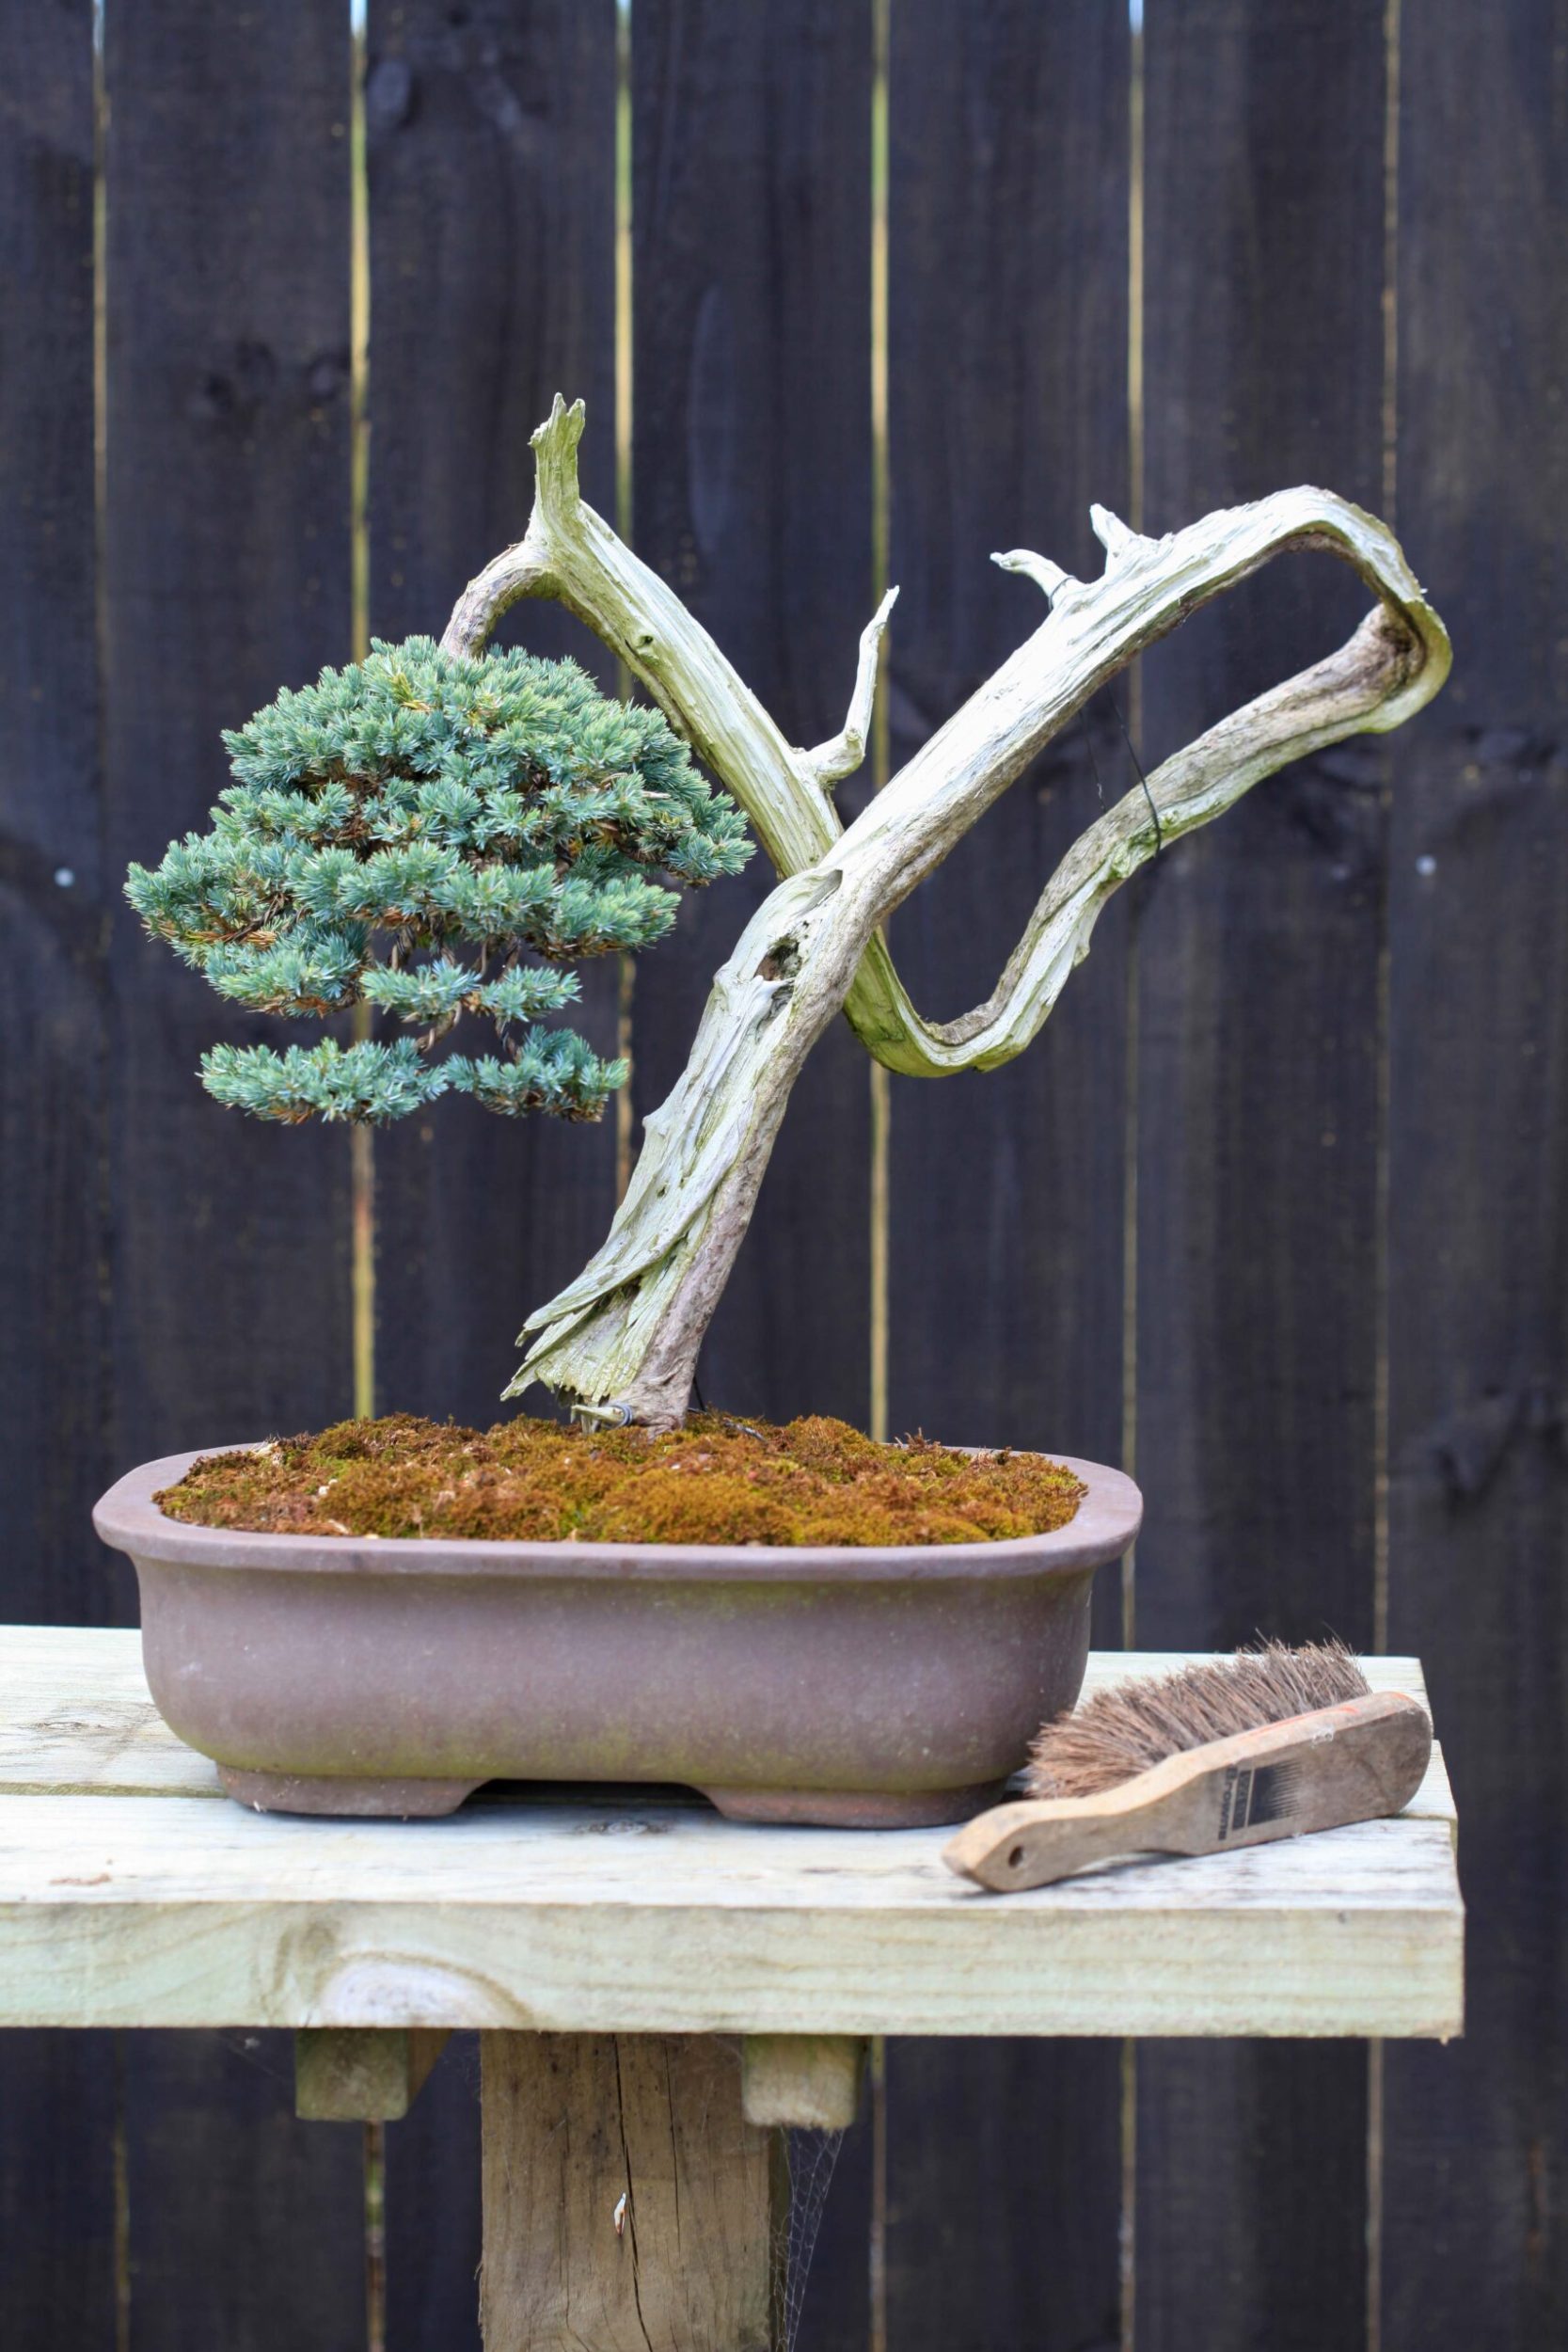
{"x": 717, "y": 1481}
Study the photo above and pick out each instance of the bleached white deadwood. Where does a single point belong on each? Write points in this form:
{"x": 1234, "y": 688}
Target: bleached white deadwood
{"x": 831, "y": 762}
{"x": 624, "y": 1335}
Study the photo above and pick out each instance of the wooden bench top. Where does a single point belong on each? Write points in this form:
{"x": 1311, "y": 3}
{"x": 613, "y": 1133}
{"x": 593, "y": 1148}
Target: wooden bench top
{"x": 134, "y": 1893}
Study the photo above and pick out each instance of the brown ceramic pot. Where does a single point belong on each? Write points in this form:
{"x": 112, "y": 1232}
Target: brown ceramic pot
{"x": 859, "y": 1687}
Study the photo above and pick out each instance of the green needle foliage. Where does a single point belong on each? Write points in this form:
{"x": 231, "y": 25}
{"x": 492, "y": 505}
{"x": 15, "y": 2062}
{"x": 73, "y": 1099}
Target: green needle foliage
{"x": 408, "y": 834}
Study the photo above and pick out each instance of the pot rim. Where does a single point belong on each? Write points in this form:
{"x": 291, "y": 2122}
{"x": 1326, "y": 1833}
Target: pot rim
{"x": 129, "y": 1520}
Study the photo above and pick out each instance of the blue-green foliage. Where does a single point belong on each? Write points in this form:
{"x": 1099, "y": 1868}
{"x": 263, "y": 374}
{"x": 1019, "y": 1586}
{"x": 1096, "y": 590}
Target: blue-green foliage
{"x": 403, "y": 835}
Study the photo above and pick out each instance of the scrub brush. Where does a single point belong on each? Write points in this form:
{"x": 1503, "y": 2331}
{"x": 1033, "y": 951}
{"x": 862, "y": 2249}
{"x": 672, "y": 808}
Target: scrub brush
{"x": 1265, "y": 1744}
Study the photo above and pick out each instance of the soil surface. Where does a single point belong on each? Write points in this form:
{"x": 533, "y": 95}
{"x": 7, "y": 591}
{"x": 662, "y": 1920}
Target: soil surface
{"x": 717, "y": 1481}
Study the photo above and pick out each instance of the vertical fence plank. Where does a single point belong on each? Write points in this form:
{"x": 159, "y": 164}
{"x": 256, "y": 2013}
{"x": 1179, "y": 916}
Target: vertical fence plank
{"x": 751, "y": 495}
{"x": 1007, "y": 237}
{"x": 432, "y": 2209}
{"x": 227, "y": 558}
{"x": 1007, "y": 358}
{"x": 227, "y": 572}
{"x": 56, "y": 2090}
{"x": 490, "y": 138}
{"x": 52, "y": 1386}
{"x": 57, "y": 2267}
{"x": 1259, "y": 1011}
{"x": 1475, "y": 2250}
{"x": 491, "y": 152}
{"x": 751, "y": 484}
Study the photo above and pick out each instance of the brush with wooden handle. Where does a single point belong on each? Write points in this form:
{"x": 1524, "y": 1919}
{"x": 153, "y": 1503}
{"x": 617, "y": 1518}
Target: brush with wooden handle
{"x": 1266, "y": 1744}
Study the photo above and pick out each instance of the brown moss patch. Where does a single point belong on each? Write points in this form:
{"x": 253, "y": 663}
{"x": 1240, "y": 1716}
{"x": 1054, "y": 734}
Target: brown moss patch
{"x": 717, "y": 1481}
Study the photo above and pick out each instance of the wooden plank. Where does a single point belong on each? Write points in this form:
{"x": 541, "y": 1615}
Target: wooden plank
{"x": 751, "y": 495}
{"x": 811, "y": 2082}
{"x": 1040, "y": 2117}
{"x": 1007, "y": 211}
{"x": 173, "y": 1909}
{"x": 434, "y": 2211}
{"x": 55, "y": 887}
{"x": 226, "y": 535}
{"x": 1259, "y": 951}
{"x": 76, "y": 1717}
{"x": 75, "y": 1713}
{"x": 1478, "y": 1332}
{"x": 1007, "y": 416}
{"x": 490, "y": 137}
{"x": 227, "y": 573}
{"x": 245, "y": 2225}
{"x": 60, "y": 2267}
{"x": 835, "y": 2292}
{"x": 627, "y": 2201}
{"x": 362, "y": 2075}
{"x": 57, "y": 2092}
{"x": 490, "y": 146}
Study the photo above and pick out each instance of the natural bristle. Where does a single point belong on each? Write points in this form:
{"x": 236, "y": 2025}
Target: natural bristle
{"x": 1125, "y": 1729}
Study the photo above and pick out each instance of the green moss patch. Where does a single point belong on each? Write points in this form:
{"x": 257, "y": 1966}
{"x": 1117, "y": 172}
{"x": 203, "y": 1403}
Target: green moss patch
{"x": 717, "y": 1481}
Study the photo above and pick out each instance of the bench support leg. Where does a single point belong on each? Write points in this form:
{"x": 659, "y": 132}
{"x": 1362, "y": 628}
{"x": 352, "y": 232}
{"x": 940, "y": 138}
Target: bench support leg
{"x": 628, "y": 2205}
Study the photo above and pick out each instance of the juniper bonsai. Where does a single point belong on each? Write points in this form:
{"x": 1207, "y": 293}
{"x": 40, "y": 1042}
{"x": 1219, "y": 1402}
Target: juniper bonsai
{"x": 434, "y": 834}
{"x": 246, "y": 905}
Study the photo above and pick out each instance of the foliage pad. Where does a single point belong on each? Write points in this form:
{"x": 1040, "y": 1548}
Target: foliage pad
{"x": 406, "y": 834}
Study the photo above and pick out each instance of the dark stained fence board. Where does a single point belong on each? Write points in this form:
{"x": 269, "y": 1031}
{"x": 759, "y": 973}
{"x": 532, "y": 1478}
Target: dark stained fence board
{"x": 227, "y": 558}
{"x": 227, "y": 575}
{"x": 751, "y": 495}
{"x": 1259, "y": 941}
{"x": 247, "y": 2225}
{"x": 56, "y": 2090}
{"x": 491, "y": 152}
{"x": 432, "y": 2212}
{"x": 1008, "y": 358}
{"x": 57, "y": 2113}
{"x": 836, "y": 2297}
{"x": 1003, "y": 2208}
{"x": 52, "y": 880}
{"x": 1475, "y": 2186}
{"x": 1008, "y": 238}
{"x": 491, "y": 160}
{"x": 1258, "y": 1085}
{"x": 1251, "y": 2196}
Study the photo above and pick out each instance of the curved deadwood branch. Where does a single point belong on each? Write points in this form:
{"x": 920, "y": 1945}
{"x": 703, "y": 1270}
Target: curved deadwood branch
{"x": 629, "y": 1327}
{"x": 571, "y": 554}
{"x": 1094, "y": 630}
{"x": 831, "y": 762}
{"x": 631, "y": 1324}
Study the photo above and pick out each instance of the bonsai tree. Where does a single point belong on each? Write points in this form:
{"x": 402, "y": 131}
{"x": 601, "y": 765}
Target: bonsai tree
{"x": 280, "y": 905}
{"x": 410, "y": 833}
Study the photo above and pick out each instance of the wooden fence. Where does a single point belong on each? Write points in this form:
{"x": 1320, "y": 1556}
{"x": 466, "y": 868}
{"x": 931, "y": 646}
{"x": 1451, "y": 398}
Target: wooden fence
{"x": 1274, "y": 1211}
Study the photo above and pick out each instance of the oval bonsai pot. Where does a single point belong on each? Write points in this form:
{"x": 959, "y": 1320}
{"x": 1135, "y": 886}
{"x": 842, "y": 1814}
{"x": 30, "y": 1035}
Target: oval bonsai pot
{"x": 864, "y": 1688}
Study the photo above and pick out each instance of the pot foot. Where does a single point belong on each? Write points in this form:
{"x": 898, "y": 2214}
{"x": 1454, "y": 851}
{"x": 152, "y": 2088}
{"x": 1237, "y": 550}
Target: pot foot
{"x": 369, "y": 1799}
{"x": 853, "y": 1809}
